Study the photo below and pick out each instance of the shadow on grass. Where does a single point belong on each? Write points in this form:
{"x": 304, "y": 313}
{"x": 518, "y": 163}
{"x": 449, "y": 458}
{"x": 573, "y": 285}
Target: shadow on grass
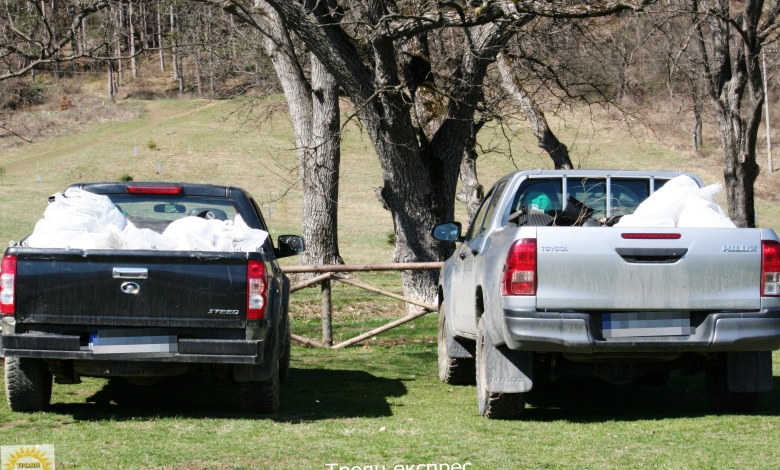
{"x": 586, "y": 399}
{"x": 307, "y": 395}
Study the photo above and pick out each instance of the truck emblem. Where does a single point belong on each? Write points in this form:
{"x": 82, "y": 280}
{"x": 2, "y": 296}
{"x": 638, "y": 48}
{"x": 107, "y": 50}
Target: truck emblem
{"x": 553, "y": 248}
{"x": 219, "y": 311}
{"x": 740, "y": 249}
{"x": 130, "y": 288}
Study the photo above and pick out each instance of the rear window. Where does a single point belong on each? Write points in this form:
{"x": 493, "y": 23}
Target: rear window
{"x": 156, "y": 212}
{"x": 546, "y": 195}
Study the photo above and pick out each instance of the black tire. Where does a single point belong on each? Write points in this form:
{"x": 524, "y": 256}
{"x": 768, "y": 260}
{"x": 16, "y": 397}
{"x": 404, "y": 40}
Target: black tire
{"x": 452, "y": 370}
{"x": 657, "y": 378}
{"x": 284, "y": 354}
{"x": 27, "y": 384}
{"x": 261, "y": 396}
{"x": 494, "y": 405}
{"x": 720, "y": 397}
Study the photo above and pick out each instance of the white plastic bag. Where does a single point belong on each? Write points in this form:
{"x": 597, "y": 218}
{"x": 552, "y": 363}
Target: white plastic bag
{"x": 74, "y": 214}
{"x": 700, "y": 211}
{"x": 83, "y": 220}
{"x": 663, "y": 207}
{"x": 134, "y": 238}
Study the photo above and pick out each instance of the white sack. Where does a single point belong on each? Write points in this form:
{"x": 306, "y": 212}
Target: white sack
{"x": 700, "y": 211}
{"x": 663, "y": 207}
{"x": 72, "y": 215}
{"x": 246, "y": 238}
{"x": 679, "y": 203}
{"x": 84, "y": 220}
{"x": 134, "y": 238}
{"x": 106, "y": 239}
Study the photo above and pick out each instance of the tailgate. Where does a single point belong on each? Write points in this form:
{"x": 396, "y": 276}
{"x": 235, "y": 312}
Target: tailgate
{"x": 140, "y": 288}
{"x": 598, "y": 268}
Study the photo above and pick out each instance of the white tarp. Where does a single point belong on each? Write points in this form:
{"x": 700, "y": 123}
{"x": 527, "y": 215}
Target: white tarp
{"x": 679, "y": 203}
{"x": 84, "y": 220}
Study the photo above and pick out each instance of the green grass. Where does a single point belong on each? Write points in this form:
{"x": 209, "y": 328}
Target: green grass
{"x": 379, "y": 403}
{"x": 384, "y": 405}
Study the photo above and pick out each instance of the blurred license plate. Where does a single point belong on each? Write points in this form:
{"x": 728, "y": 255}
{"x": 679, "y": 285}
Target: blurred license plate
{"x": 136, "y": 342}
{"x": 621, "y": 325}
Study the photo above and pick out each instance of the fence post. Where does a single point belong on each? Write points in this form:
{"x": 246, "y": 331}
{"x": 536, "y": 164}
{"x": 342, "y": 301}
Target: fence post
{"x": 327, "y": 308}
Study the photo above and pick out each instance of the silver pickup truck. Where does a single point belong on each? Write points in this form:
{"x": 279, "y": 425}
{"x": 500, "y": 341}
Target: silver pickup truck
{"x": 543, "y": 283}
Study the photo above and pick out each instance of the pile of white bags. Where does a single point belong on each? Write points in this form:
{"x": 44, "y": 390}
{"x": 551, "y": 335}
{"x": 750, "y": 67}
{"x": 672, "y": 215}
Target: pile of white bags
{"x": 80, "y": 219}
{"x": 679, "y": 203}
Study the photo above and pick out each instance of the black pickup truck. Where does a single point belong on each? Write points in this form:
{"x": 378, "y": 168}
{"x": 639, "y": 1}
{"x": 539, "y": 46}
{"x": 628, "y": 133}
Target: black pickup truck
{"x": 147, "y": 314}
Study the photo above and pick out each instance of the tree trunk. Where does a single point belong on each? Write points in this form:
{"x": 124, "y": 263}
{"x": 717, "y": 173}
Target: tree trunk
{"x": 321, "y": 172}
{"x": 471, "y": 192}
{"x": 131, "y": 41}
{"x": 174, "y": 48}
{"x": 696, "y": 138}
{"x": 547, "y": 141}
{"x": 159, "y": 41}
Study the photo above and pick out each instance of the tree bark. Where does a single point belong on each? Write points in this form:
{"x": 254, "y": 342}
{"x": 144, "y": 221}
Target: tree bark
{"x": 471, "y": 192}
{"x": 547, "y": 141}
{"x": 159, "y": 41}
{"x": 321, "y": 172}
{"x": 131, "y": 41}
{"x": 734, "y": 83}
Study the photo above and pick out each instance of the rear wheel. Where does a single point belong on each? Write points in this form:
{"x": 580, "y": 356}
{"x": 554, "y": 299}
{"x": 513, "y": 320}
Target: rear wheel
{"x": 261, "y": 396}
{"x": 721, "y": 398}
{"x": 452, "y": 370}
{"x": 27, "y": 383}
{"x": 494, "y": 405}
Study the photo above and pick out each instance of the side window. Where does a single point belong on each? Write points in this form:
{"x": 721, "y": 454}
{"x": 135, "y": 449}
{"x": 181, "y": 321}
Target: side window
{"x": 591, "y": 192}
{"x": 627, "y": 194}
{"x": 659, "y": 184}
{"x": 540, "y": 195}
{"x": 491, "y": 210}
{"x": 479, "y": 216}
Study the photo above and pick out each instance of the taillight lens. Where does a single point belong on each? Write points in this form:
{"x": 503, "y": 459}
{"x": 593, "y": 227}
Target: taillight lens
{"x": 520, "y": 268}
{"x": 8, "y": 285}
{"x": 161, "y": 190}
{"x": 770, "y": 268}
{"x": 256, "y": 290}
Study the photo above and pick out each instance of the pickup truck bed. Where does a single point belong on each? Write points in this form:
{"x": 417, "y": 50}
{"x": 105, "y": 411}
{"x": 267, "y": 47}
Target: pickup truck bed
{"x": 146, "y": 314}
{"x": 524, "y": 296}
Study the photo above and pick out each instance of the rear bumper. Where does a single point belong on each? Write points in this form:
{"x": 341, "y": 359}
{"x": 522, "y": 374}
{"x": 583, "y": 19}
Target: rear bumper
{"x": 529, "y": 330}
{"x": 204, "y": 351}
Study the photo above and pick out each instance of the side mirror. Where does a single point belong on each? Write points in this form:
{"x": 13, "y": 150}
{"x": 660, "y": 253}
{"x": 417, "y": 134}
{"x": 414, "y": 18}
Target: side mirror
{"x": 170, "y": 208}
{"x": 289, "y": 245}
{"x": 449, "y": 232}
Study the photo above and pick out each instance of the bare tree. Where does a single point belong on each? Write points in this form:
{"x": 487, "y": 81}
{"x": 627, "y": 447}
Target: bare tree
{"x": 362, "y": 53}
{"x": 730, "y": 45}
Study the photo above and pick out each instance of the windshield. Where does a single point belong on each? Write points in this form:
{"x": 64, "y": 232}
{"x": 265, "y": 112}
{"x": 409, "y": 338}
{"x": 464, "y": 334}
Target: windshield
{"x": 156, "y": 212}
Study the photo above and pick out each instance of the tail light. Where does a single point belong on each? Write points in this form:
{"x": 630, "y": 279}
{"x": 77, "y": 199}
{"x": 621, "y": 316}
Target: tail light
{"x": 770, "y": 268}
{"x": 256, "y": 288}
{"x": 159, "y": 190}
{"x": 520, "y": 268}
{"x": 8, "y": 285}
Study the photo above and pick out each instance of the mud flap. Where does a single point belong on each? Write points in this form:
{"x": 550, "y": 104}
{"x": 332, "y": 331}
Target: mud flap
{"x": 508, "y": 371}
{"x": 749, "y": 372}
{"x": 456, "y": 347}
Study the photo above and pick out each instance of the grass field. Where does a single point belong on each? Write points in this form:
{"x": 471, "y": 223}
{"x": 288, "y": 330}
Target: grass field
{"x": 380, "y": 403}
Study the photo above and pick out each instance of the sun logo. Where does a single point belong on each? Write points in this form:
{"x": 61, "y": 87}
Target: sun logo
{"x": 28, "y": 457}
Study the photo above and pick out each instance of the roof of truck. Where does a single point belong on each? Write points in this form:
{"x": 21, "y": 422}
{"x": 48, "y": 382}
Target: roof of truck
{"x": 188, "y": 189}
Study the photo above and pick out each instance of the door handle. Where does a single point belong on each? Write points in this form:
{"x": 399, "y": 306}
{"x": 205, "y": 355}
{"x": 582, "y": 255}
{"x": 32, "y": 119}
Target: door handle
{"x": 131, "y": 273}
{"x": 462, "y": 255}
{"x": 474, "y": 251}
